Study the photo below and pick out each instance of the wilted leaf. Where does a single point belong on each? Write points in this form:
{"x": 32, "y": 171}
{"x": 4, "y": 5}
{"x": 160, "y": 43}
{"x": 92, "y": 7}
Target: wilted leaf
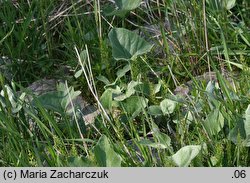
{"x": 127, "y": 45}
{"x": 105, "y": 154}
{"x": 185, "y": 155}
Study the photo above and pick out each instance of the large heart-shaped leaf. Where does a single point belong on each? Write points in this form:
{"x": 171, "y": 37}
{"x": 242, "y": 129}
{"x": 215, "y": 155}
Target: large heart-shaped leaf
{"x": 105, "y": 154}
{"x": 127, "y": 45}
{"x": 185, "y": 155}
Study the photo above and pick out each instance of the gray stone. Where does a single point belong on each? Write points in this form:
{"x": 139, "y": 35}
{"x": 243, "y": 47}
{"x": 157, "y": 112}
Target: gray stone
{"x": 89, "y": 111}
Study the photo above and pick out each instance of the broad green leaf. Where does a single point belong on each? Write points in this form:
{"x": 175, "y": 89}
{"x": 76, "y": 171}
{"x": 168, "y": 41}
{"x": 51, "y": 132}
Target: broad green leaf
{"x": 237, "y": 134}
{"x": 157, "y": 88}
{"x": 229, "y": 4}
{"x": 131, "y": 88}
{"x": 134, "y": 105}
{"x": 105, "y": 154}
{"x": 129, "y": 92}
{"x": 167, "y": 106}
{"x": 155, "y": 110}
{"x": 84, "y": 56}
{"x": 106, "y": 99}
{"x": 143, "y": 88}
{"x": 121, "y": 72}
{"x": 127, "y": 45}
{"x": 78, "y": 73}
{"x": 103, "y": 79}
{"x": 214, "y": 122}
{"x": 185, "y": 155}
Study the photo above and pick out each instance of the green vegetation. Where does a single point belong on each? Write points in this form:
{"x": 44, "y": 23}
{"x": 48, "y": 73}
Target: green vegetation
{"x": 170, "y": 79}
